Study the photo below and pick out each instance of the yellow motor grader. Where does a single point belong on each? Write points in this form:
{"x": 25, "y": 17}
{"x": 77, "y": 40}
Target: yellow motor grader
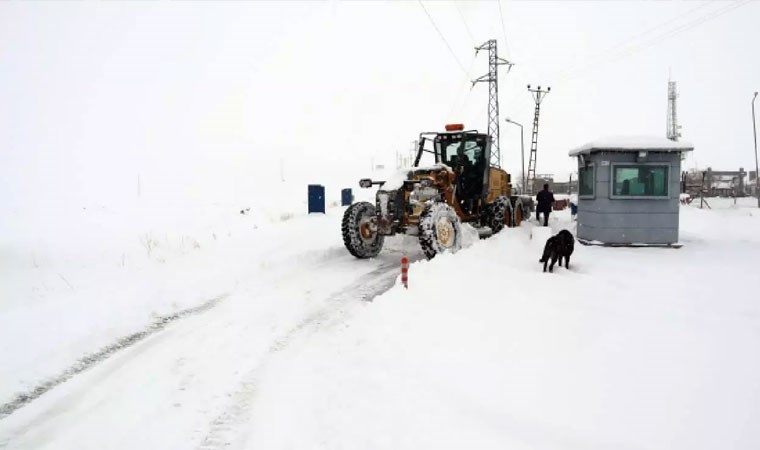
{"x": 432, "y": 201}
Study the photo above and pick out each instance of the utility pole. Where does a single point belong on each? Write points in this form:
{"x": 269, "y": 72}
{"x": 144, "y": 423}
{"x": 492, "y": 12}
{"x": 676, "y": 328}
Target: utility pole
{"x": 493, "y": 95}
{"x": 538, "y": 97}
{"x": 754, "y": 132}
{"x": 674, "y": 130}
{"x": 522, "y": 154}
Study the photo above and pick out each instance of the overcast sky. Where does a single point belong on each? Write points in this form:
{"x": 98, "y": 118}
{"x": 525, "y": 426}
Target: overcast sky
{"x": 214, "y": 100}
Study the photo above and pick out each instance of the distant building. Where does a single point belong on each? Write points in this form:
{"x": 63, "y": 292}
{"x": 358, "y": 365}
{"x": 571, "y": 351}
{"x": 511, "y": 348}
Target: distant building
{"x": 725, "y": 183}
{"x": 542, "y": 179}
{"x": 557, "y": 187}
{"x": 566, "y": 187}
{"x": 719, "y": 183}
{"x": 629, "y": 190}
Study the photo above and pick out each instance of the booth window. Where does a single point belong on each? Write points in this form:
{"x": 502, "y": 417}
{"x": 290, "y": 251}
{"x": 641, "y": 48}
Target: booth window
{"x": 586, "y": 181}
{"x": 640, "y": 180}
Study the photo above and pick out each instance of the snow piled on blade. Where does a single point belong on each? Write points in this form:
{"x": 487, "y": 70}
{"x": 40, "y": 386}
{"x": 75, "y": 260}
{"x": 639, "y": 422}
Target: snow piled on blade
{"x": 396, "y": 181}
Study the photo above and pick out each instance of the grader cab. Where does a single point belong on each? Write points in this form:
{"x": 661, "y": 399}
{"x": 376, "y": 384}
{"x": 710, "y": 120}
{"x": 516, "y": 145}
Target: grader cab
{"x": 431, "y": 201}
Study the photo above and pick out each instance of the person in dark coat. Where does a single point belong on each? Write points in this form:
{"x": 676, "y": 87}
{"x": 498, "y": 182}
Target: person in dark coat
{"x": 545, "y": 199}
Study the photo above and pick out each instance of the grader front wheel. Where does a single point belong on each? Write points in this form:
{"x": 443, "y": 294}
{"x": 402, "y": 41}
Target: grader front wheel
{"x": 440, "y": 230}
{"x": 359, "y": 234}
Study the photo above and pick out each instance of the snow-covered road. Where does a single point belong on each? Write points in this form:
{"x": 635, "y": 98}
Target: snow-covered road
{"x": 186, "y": 385}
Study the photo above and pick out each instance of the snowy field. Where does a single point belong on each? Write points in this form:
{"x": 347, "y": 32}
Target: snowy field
{"x": 631, "y": 348}
{"x": 118, "y": 270}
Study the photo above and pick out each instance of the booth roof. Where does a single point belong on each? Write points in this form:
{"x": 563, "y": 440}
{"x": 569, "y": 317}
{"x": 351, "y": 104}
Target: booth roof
{"x": 632, "y": 143}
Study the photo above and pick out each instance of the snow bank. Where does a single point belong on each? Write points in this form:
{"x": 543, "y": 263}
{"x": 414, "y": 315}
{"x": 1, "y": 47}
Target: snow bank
{"x": 630, "y": 348}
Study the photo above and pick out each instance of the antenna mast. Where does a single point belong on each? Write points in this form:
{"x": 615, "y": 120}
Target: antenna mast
{"x": 674, "y": 130}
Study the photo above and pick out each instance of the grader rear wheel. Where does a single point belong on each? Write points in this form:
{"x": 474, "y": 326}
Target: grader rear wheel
{"x": 498, "y": 214}
{"x": 518, "y": 208}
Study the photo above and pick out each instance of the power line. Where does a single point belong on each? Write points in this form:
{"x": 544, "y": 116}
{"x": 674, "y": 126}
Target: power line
{"x": 629, "y": 47}
{"x": 464, "y": 22}
{"x": 667, "y": 22}
{"x": 457, "y": 103}
{"x": 625, "y": 43}
{"x": 432, "y": 22}
{"x": 503, "y": 27}
{"x": 686, "y": 27}
{"x": 615, "y": 50}
{"x": 626, "y": 50}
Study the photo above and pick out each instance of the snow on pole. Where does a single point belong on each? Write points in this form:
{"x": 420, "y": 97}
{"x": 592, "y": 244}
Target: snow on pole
{"x": 405, "y": 271}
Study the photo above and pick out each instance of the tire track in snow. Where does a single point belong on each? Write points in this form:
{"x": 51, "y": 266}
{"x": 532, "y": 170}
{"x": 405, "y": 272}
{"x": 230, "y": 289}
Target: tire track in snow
{"x": 89, "y": 360}
{"x": 223, "y": 430}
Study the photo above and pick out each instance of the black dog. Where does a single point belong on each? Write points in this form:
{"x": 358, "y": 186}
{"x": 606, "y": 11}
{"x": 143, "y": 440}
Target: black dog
{"x": 558, "y": 246}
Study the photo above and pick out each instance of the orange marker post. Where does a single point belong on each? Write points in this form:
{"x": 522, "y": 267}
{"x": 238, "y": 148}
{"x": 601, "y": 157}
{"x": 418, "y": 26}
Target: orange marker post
{"x": 405, "y": 271}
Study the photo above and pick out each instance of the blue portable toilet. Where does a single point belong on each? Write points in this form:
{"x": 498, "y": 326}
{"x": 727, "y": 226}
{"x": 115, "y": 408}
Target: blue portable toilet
{"x": 346, "y": 197}
{"x": 316, "y": 198}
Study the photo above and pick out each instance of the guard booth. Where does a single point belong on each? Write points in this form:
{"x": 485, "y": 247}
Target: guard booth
{"x": 629, "y": 189}
{"x": 346, "y": 197}
{"x": 316, "y": 198}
